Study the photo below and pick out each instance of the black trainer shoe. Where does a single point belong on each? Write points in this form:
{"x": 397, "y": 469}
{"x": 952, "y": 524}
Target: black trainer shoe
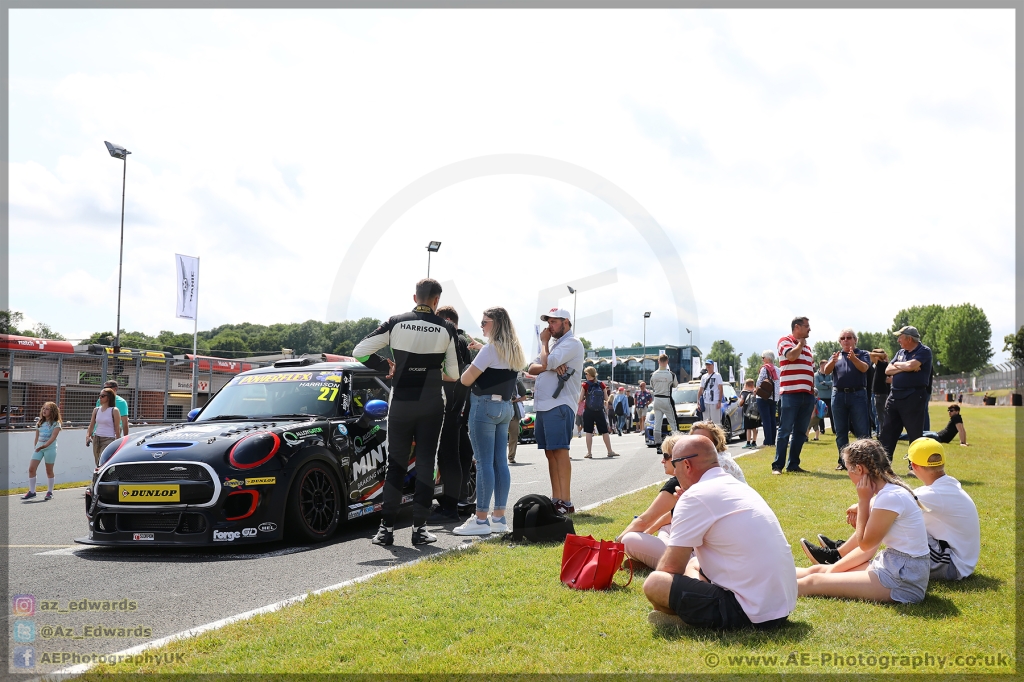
{"x": 829, "y": 543}
{"x": 385, "y": 536}
{"x": 421, "y": 536}
{"x": 440, "y": 516}
{"x": 819, "y": 555}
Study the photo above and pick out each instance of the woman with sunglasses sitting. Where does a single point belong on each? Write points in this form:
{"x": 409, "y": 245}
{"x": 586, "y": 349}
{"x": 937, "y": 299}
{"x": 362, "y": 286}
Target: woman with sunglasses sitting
{"x": 644, "y": 538}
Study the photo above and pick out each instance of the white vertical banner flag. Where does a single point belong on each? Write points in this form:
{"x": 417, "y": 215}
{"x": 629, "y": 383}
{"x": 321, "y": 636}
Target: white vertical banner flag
{"x": 732, "y": 377}
{"x": 187, "y": 271}
{"x": 615, "y": 359}
{"x": 695, "y": 365}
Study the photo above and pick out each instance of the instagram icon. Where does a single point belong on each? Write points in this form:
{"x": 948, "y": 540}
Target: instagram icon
{"x": 24, "y": 604}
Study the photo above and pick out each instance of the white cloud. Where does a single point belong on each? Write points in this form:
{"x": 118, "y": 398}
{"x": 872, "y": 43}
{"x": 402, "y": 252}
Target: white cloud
{"x": 839, "y": 164}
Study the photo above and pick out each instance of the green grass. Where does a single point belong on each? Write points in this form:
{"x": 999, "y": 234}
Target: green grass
{"x": 59, "y": 486}
{"x": 497, "y": 608}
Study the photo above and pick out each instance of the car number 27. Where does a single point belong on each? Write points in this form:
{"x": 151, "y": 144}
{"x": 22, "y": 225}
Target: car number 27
{"x": 328, "y": 393}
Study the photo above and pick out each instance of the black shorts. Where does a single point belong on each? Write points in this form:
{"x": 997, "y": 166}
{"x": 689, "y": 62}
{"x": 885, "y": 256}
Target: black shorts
{"x": 592, "y": 417}
{"x": 705, "y": 605}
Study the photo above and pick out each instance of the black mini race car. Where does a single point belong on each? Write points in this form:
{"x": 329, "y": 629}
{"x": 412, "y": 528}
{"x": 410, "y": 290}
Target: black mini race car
{"x": 285, "y": 451}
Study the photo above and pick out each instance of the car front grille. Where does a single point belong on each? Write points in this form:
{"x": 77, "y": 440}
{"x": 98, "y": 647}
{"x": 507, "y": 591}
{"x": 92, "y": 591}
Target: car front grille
{"x": 148, "y": 522}
{"x": 156, "y": 471}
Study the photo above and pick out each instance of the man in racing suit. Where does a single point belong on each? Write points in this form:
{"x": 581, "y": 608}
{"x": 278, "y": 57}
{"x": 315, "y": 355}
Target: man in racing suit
{"x": 663, "y": 380}
{"x": 452, "y": 462}
{"x": 424, "y": 348}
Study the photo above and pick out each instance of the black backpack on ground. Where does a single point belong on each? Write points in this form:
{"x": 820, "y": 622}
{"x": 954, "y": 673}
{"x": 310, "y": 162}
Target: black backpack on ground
{"x": 534, "y": 518}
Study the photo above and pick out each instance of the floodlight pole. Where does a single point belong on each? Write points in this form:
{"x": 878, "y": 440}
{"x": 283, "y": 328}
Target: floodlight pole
{"x": 120, "y": 258}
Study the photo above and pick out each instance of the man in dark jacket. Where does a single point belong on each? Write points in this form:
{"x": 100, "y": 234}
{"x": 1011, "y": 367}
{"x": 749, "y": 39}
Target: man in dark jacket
{"x": 449, "y": 455}
{"x": 425, "y": 357}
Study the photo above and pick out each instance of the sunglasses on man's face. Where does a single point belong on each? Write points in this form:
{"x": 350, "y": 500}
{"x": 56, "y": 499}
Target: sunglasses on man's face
{"x": 680, "y": 459}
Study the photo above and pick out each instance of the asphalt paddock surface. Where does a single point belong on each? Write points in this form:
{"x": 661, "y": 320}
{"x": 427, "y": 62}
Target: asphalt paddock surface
{"x": 77, "y": 599}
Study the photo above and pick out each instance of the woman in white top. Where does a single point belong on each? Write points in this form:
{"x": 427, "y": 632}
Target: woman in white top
{"x": 492, "y": 377}
{"x": 887, "y": 511}
{"x": 106, "y": 420}
{"x": 644, "y": 538}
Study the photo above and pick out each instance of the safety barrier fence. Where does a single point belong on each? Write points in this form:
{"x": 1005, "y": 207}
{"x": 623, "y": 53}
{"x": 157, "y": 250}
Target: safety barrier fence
{"x": 157, "y": 390}
{"x": 973, "y": 387}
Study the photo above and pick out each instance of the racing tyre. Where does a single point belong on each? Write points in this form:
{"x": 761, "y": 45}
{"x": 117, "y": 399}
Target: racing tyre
{"x": 315, "y": 503}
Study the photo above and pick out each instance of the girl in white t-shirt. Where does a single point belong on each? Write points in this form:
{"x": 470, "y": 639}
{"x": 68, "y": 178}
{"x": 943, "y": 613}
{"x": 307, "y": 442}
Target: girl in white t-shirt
{"x": 887, "y": 512}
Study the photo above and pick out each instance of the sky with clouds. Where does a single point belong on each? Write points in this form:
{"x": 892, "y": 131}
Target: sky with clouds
{"x": 840, "y": 164}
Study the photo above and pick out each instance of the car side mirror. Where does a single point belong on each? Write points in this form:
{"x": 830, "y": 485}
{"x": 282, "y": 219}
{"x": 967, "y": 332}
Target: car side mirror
{"x": 376, "y": 409}
{"x": 192, "y": 414}
{"x": 733, "y": 399}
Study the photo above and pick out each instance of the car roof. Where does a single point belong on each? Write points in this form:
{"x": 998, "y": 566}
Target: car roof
{"x": 356, "y": 367}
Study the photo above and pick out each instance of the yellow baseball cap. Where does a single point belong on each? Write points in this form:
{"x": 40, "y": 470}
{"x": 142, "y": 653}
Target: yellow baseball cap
{"x": 926, "y": 452}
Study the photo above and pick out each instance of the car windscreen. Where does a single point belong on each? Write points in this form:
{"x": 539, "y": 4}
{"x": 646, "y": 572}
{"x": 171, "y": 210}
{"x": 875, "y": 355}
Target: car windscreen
{"x": 684, "y": 394}
{"x": 528, "y": 407}
{"x": 280, "y": 393}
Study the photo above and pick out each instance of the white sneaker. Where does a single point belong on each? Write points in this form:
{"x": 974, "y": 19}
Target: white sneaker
{"x": 472, "y": 527}
{"x": 499, "y": 525}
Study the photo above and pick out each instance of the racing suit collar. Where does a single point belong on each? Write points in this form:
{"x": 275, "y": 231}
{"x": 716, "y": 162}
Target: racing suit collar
{"x": 423, "y": 309}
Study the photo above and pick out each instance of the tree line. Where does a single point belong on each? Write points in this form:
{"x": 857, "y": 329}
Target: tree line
{"x": 227, "y": 340}
{"x": 960, "y": 337}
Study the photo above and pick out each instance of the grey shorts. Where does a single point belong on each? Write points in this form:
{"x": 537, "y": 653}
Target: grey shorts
{"x": 942, "y": 567}
{"x": 905, "y": 576}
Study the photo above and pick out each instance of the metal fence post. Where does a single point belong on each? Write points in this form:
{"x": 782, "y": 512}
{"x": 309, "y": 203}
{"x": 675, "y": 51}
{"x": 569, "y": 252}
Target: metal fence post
{"x": 105, "y": 377}
{"x": 138, "y": 379}
{"x": 167, "y": 387}
{"x": 60, "y": 378}
{"x": 10, "y": 391}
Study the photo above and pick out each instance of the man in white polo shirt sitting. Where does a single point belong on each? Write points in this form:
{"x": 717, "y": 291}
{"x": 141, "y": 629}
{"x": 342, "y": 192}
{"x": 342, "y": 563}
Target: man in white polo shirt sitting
{"x": 743, "y": 572}
{"x": 954, "y": 532}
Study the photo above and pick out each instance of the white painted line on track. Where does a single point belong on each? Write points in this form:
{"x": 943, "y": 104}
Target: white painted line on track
{"x": 73, "y": 671}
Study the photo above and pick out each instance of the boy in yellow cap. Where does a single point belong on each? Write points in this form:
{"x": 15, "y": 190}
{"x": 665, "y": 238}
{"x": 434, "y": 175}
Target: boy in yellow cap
{"x": 954, "y": 532}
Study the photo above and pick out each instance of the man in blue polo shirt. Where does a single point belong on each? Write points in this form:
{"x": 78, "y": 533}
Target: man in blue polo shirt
{"x": 849, "y": 391}
{"x": 911, "y": 370}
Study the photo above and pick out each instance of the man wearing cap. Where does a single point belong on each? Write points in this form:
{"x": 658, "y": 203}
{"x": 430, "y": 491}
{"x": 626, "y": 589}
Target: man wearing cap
{"x": 711, "y": 390}
{"x": 954, "y": 532}
{"x": 911, "y": 370}
{"x": 556, "y": 395}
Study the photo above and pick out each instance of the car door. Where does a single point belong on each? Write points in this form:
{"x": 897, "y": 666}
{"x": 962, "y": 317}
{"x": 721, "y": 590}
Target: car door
{"x": 733, "y": 409}
{"x": 367, "y": 445}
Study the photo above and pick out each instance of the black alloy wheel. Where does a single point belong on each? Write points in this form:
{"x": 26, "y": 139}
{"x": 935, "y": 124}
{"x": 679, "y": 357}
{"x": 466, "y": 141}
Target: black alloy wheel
{"x": 727, "y": 427}
{"x": 314, "y": 507}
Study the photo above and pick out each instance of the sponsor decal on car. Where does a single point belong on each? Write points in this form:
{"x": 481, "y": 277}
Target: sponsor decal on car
{"x": 342, "y": 430}
{"x": 377, "y": 507}
{"x": 274, "y": 378}
{"x": 355, "y": 514}
{"x": 143, "y": 536}
{"x": 232, "y": 483}
{"x": 265, "y": 480}
{"x": 370, "y": 461}
{"x": 149, "y": 493}
{"x": 249, "y": 532}
{"x": 367, "y": 510}
{"x": 293, "y": 437}
{"x": 226, "y": 535}
{"x": 268, "y": 527}
{"x": 362, "y": 442}
{"x": 324, "y": 376}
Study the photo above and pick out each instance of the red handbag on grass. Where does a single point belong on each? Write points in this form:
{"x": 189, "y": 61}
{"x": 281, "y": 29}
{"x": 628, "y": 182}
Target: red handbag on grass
{"x": 589, "y": 564}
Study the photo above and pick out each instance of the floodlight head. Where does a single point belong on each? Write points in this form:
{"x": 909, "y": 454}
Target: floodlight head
{"x": 116, "y": 150}
{"x": 433, "y": 247}
{"x": 646, "y": 315}
{"x": 571, "y": 290}
{"x": 688, "y": 331}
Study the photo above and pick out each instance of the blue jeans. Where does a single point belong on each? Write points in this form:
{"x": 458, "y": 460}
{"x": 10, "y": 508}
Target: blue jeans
{"x": 622, "y": 422}
{"x": 850, "y": 413}
{"x": 766, "y": 408}
{"x": 488, "y": 431}
{"x": 796, "y": 418}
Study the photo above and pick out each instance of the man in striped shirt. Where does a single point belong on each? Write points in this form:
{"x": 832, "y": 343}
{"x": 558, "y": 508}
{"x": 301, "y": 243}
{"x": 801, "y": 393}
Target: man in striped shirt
{"x": 796, "y": 385}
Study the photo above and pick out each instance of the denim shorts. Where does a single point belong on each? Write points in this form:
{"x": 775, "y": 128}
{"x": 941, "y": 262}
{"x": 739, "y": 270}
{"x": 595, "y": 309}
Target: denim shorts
{"x": 905, "y": 576}
{"x": 554, "y": 428}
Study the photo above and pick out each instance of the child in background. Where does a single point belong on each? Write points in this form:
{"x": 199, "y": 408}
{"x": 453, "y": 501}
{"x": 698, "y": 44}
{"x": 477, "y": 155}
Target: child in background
{"x": 45, "y": 446}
